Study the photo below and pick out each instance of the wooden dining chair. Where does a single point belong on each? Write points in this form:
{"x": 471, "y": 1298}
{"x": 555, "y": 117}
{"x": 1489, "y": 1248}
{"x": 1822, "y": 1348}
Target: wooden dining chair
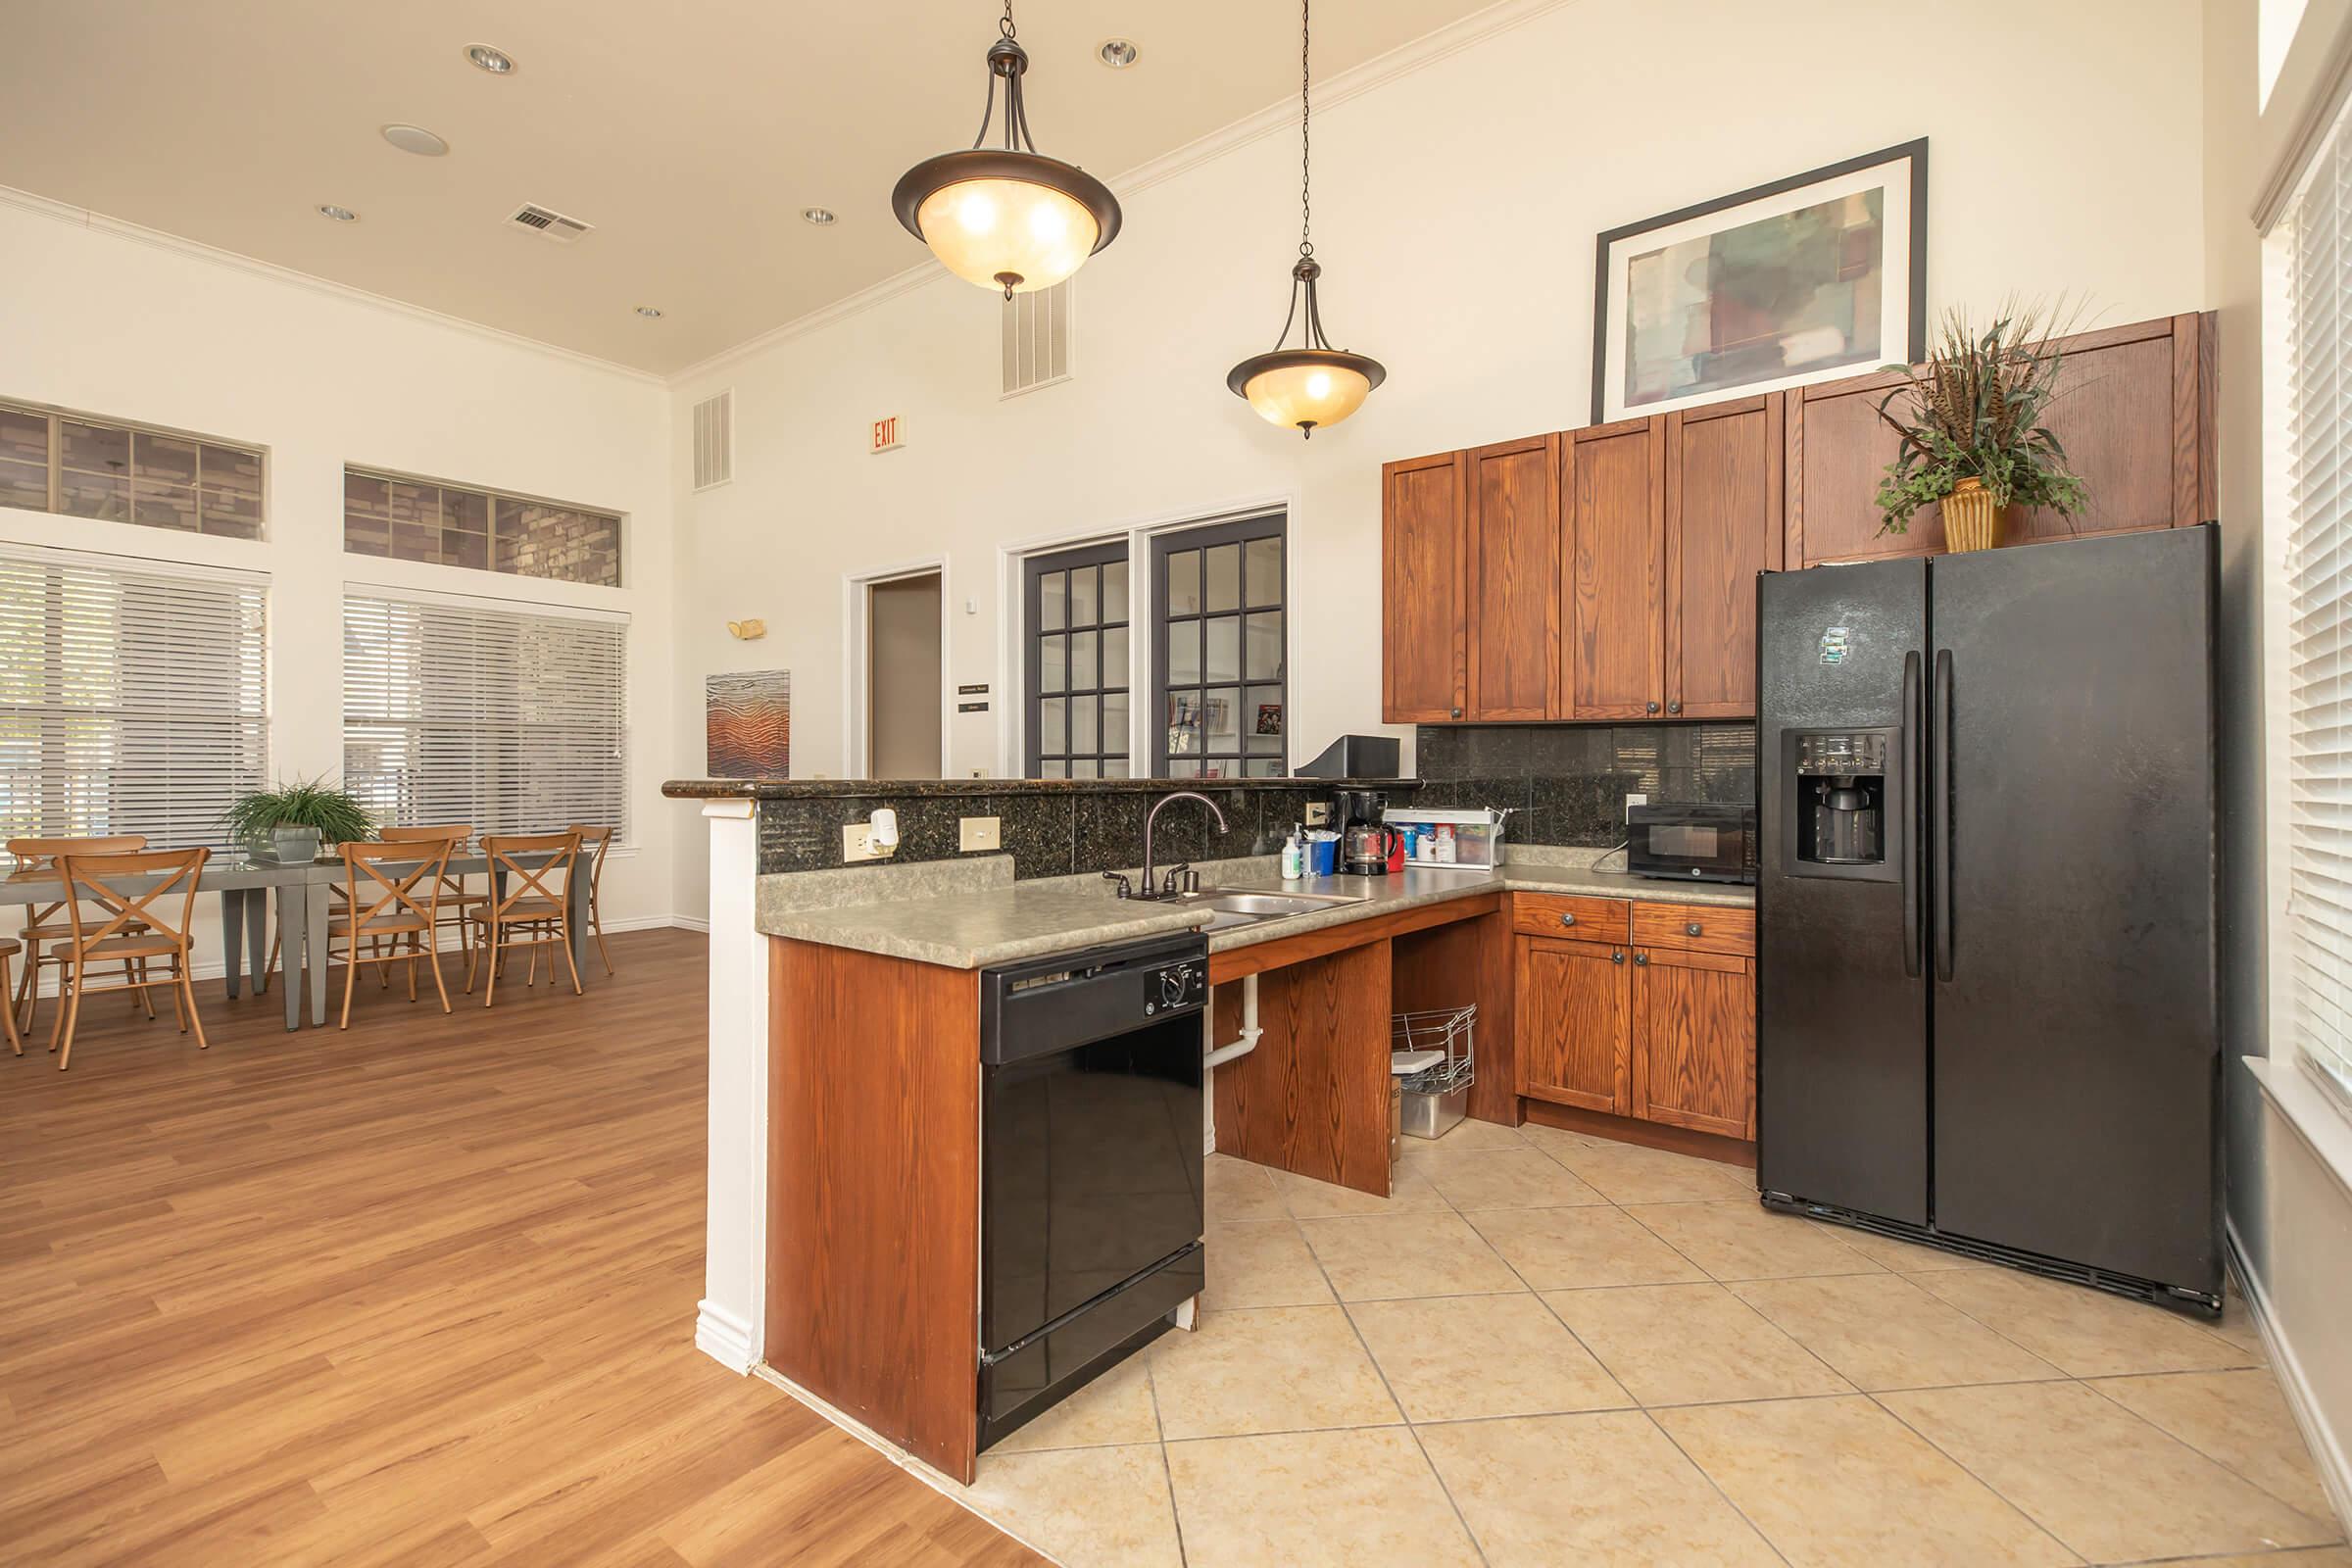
{"x": 46, "y": 932}
{"x": 401, "y": 905}
{"x": 10, "y": 946}
{"x": 597, "y": 840}
{"x": 133, "y": 926}
{"x": 528, "y": 907}
{"x": 454, "y": 901}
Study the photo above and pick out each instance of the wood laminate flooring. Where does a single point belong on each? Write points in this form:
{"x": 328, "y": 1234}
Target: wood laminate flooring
{"x": 418, "y": 1293}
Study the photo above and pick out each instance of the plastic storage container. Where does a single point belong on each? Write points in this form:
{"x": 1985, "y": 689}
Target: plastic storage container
{"x": 1466, "y": 841}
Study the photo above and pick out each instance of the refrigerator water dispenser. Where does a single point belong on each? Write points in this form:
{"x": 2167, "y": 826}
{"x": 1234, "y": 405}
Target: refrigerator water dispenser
{"x": 1840, "y": 798}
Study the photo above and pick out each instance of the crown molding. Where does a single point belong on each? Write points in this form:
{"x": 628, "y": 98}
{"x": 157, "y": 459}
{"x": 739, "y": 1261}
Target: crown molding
{"x": 83, "y": 218}
{"x": 1353, "y": 82}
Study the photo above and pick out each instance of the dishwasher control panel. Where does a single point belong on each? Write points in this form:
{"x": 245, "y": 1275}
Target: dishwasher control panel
{"x": 1175, "y": 985}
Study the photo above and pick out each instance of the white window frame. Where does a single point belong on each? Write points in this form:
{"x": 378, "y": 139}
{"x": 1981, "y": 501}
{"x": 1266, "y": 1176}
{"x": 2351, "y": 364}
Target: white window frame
{"x": 482, "y": 807}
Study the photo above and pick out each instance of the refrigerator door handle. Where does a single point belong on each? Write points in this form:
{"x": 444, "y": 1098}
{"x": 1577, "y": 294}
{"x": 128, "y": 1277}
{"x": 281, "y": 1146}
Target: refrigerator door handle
{"x": 1908, "y": 827}
{"x": 1940, "y": 813}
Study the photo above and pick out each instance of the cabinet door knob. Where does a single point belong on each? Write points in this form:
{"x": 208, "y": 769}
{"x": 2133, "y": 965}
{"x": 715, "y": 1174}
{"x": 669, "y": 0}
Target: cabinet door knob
{"x": 1653, "y": 707}
{"x": 1567, "y": 920}
{"x": 1641, "y": 959}
{"x": 1457, "y": 712}
{"x": 1616, "y": 955}
{"x": 1692, "y": 930}
{"x": 1675, "y": 707}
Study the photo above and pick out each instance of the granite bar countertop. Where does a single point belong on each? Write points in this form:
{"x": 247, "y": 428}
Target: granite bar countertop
{"x": 1010, "y": 921}
{"x": 800, "y": 789}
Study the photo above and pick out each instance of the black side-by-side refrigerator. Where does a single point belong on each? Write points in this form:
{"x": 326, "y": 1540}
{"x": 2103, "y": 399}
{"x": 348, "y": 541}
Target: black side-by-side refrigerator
{"x": 1987, "y": 984}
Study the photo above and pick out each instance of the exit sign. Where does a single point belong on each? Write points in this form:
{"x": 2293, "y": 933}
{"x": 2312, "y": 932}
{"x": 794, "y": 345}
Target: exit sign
{"x": 887, "y": 436}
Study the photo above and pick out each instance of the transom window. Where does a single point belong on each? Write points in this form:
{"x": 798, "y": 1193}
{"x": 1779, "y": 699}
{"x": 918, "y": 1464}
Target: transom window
{"x": 453, "y": 525}
{"x": 1220, "y": 686}
{"x": 80, "y": 466}
{"x": 1077, "y": 663}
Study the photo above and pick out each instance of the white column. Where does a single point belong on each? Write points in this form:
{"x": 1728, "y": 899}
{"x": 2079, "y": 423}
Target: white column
{"x": 731, "y": 1320}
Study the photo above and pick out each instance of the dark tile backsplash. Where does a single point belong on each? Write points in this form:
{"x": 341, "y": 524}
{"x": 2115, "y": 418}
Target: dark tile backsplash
{"x": 1046, "y": 834}
{"x": 1567, "y": 783}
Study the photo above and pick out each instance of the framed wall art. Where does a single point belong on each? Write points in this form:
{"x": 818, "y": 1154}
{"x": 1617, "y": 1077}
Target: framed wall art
{"x": 1818, "y": 275}
{"x": 749, "y": 724}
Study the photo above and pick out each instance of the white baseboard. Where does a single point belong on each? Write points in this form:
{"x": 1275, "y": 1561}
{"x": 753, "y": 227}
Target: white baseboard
{"x": 2327, "y": 1452}
{"x": 691, "y": 922}
{"x": 723, "y": 1337}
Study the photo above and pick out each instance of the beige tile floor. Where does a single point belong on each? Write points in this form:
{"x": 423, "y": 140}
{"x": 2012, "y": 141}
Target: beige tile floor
{"x": 1548, "y": 1349}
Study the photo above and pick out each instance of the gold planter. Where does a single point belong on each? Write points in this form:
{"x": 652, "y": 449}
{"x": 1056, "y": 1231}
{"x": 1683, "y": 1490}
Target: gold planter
{"x": 1971, "y": 522}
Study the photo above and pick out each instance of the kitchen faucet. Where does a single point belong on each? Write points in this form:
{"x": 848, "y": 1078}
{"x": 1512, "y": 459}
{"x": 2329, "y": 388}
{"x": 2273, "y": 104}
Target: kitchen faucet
{"x": 1169, "y": 888}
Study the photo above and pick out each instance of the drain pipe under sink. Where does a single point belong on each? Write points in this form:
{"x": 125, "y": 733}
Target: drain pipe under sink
{"x": 1246, "y": 1042}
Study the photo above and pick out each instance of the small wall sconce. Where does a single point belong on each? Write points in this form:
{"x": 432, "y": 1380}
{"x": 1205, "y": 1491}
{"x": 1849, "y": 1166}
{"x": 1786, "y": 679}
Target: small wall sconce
{"x": 747, "y": 631}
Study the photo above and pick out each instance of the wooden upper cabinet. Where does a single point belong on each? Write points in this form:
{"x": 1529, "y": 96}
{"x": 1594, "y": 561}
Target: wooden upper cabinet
{"x": 1423, "y": 573}
{"x": 1574, "y": 1037}
{"x": 2134, "y": 412}
{"x": 1513, "y": 590}
{"x": 1612, "y": 600}
{"x": 1723, "y": 525}
{"x": 1694, "y": 1018}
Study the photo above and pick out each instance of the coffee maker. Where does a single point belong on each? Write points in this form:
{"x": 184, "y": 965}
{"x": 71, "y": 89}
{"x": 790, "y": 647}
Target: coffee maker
{"x": 1365, "y": 839}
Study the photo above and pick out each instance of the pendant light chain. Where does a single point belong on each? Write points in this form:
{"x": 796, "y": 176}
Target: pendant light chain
{"x": 1307, "y": 204}
{"x": 1006, "y": 26}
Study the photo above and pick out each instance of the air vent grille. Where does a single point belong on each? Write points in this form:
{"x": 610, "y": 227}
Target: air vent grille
{"x": 548, "y": 223}
{"x": 1036, "y": 339}
{"x": 715, "y": 440}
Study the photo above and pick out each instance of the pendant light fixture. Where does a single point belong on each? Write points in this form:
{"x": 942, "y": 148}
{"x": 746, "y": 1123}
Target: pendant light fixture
{"x": 1007, "y": 217}
{"x": 1315, "y": 384}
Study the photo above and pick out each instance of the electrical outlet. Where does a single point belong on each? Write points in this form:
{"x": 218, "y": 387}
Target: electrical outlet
{"x": 1318, "y": 813}
{"x": 1632, "y": 801}
{"x": 978, "y": 833}
{"x": 857, "y": 844}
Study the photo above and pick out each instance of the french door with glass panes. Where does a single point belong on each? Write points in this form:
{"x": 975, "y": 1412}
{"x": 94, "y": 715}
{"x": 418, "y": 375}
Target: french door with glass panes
{"x": 1077, "y": 663}
{"x": 1220, "y": 690}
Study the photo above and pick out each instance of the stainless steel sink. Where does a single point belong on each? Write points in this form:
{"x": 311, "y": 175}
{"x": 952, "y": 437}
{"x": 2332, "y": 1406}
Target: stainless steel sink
{"x": 1247, "y": 906}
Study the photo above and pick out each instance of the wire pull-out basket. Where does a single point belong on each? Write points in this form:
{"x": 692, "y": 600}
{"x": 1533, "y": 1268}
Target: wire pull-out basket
{"x": 1437, "y": 1095}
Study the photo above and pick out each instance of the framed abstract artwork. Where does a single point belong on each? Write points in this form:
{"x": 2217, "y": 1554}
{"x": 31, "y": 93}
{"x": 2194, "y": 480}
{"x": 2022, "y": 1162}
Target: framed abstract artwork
{"x": 1819, "y": 275}
{"x": 749, "y": 724}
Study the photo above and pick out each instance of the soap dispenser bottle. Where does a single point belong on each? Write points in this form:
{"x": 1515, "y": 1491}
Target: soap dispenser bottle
{"x": 1293, "y": 858}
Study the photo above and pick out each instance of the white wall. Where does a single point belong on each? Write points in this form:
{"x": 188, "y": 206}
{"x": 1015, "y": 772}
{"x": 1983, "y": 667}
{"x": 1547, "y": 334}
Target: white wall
{"x": 97, "y": 319}
{"x": 1455, "y": 210}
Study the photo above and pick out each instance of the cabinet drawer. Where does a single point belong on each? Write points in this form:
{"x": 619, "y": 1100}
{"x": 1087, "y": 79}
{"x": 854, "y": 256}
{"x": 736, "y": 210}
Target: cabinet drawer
{"x": 1695, "y": 928}
{"x": 1564, "y": 914}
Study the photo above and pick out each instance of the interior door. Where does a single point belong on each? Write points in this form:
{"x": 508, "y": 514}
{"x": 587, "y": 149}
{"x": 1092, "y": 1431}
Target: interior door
{"x": 903, "y": 677}
{"x": 1422, "y": 567}
{"x": 1723, "y": 526}
{"x": 1513, "y": 602}
{"x": 2076, "y": 1000}
{"x": 1612, "y": 590}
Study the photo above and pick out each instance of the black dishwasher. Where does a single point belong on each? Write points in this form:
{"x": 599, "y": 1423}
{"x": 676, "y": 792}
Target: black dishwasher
{"x": 1090, "y": 1138}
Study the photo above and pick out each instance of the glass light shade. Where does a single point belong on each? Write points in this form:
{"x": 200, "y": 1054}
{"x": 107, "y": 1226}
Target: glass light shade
{"x": 1316, "y": 396}
{"x": 983, "y": 229}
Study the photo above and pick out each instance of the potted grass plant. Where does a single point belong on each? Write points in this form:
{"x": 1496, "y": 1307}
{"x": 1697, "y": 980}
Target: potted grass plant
{"x": 291, "y": 822}
{"x": 1971, "y": 422}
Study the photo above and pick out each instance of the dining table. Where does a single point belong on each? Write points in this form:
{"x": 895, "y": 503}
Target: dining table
{"x": 244, "y": 884}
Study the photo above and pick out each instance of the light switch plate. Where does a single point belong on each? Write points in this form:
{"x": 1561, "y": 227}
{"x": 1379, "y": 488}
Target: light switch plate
{"x": 1632, "y": 801}
{"x": 978, "y": 833}
{"x": 857, "y": 844}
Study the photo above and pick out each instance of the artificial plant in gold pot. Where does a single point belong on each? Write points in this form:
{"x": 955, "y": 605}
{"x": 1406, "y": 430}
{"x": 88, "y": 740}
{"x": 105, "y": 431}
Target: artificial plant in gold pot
{"x": 1973, "y": 438}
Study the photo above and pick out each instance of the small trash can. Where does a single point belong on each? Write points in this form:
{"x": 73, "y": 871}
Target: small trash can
{"x": 1431, "y": 1094}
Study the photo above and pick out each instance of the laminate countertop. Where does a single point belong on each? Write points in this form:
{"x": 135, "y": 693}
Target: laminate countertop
{"x": 1016, "y": 921}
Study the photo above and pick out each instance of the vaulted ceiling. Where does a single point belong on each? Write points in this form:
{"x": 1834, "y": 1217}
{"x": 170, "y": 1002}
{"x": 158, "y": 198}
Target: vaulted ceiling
{"x": 691, "y": 135}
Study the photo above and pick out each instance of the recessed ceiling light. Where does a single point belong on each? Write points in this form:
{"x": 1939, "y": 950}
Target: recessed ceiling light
{"x": 1118, "y": 53}
{"x": 497, "y": 62}
{"x": 341, "y": 215}
{"x": 415, "y": 139}
{"x": 820, "y": 216}
{"x": 648, "y": 312}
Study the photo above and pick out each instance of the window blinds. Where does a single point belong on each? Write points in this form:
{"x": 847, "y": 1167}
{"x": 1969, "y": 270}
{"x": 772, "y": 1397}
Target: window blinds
{"x": 504, "y": 720}
{"x": 2318, "y": 610}
{"x": 131, "y": 701}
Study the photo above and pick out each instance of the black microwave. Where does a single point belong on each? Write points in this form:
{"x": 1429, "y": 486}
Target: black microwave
{"x": 1692, "y": 842}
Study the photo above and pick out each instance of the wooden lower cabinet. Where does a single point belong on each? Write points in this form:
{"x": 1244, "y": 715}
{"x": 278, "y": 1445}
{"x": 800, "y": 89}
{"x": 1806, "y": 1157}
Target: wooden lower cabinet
{"x": 1577, "y": 998}
{"x": 1660, "y": 1033}
{"x": 1694, "y": 1041}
